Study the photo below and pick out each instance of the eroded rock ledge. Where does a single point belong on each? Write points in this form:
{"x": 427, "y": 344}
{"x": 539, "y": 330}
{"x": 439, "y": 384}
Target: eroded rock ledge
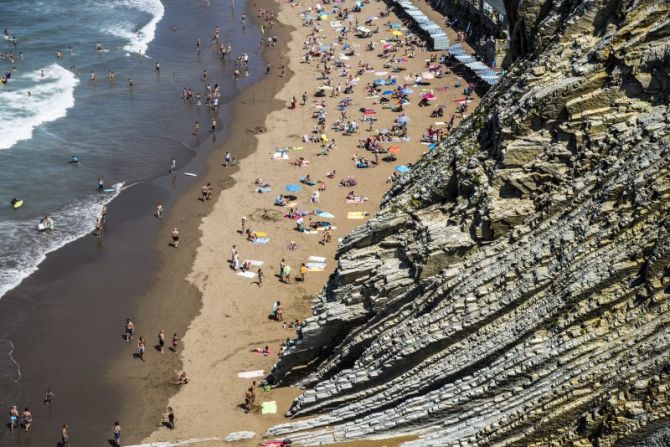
{"x": 513, "y": 289}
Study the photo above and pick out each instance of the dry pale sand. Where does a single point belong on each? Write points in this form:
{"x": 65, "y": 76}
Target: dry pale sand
{"x": 234, "y": 315}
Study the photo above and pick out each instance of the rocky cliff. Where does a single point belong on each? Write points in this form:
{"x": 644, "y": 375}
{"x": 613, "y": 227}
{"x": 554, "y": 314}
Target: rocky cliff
{"x": 514, "y": 288}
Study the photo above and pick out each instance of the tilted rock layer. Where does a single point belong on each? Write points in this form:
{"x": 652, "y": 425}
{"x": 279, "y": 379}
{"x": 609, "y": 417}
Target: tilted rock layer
{"x": 514, "y": 288}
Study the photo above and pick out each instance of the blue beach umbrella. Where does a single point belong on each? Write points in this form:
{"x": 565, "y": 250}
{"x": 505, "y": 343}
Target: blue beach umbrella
{"x": 388, "y": 92}
{"x": 292, "y": 187}
{"x": 402, "y": 169}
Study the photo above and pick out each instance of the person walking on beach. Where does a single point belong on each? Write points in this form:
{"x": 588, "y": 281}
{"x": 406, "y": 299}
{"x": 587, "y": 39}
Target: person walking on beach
{"x": 213, "y": 128}
{"x": 13, "y": 418}
{"x": 175, "y": 237}
{"x": 260, "y": 275}
{"x": 303, "y": 271}
{"x": 130, "y": 330}
{"x": 27, "y": 417}
{"x": 282, "y": 266}
{"x": 287, "y": 274}
{"x": 117, "y": 434}
{"x": 173, "y": 166}
{"x": 196, "y": 129}
{"x": 141, "y": 347}
{"x": 65, "y": 436}
{"x": 175, "y": 342}
{"x": 159, "y": 211}
{"x": 161, "y": 341}
{"x": 244, "y": 224}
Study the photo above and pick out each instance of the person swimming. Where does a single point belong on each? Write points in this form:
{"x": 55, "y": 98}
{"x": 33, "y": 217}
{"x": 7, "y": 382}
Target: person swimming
{"x": 74, "y": 160}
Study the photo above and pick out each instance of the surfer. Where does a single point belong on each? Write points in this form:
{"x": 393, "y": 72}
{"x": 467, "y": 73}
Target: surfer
{"x": 101, "y": 184}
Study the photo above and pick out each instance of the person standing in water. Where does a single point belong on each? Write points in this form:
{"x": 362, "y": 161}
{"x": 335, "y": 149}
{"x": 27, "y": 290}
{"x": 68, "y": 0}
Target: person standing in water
{"x": 196, "y": 130}
{"x": 173, "y": 166}
{"x": 159, "y": 211}
{"x": 101, "y": 184}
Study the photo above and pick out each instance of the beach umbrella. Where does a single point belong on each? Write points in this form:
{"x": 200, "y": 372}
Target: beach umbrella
{"x": 293, "y": 187}
{"x": 393, "y": 150}
{"x": 406, "y": 91}
{"x": 388, "y": 92}
{"x": 402, "y": 169}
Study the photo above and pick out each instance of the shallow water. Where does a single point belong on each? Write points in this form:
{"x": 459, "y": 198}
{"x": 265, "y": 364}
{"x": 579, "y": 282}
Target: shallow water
{"x": 120, "y": 134}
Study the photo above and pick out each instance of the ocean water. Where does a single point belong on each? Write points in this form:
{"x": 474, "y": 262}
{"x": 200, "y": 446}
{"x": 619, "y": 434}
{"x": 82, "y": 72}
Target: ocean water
{"x": 51, "y": 110}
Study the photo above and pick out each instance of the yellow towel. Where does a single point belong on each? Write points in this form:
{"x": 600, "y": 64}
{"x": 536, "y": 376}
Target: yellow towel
{"x": 356, "y": 215}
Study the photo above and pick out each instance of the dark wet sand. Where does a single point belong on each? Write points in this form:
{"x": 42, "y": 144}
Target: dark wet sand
{"x": 66, "y": 320}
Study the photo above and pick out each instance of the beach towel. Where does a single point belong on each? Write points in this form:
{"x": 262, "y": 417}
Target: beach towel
{"x": 251, "y": 374}
{"x": 261, "y": 241}
{"x": 269, "y": 407}
{"x": 247, "y": 274}
{"x": 255, "y": 262}
{"x": 358, "y": 199}
{"x": 315, "y": 267}
{"x": 356, "y": 215}
{"x": 439, "y": 123}
{"x": 261, "y": 234}
{"x": 310, "y": 232}
{"x": 317, "y": 259}
{"x": 325, "y": 214}
{"x": 381, "y": 73}
{"x": 280, "y": 156}
{"x": 264, "y": 189}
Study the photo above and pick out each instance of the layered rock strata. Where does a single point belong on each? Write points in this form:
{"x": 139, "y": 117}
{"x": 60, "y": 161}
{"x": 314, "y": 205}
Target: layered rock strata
{"x": 513, "y": 289}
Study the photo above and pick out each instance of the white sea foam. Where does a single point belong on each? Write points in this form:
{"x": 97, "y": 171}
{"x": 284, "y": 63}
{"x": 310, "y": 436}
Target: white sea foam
{"x": 72, "y": 222}
{"x": 50, "y": 98}
{"x": 139, "y": 40}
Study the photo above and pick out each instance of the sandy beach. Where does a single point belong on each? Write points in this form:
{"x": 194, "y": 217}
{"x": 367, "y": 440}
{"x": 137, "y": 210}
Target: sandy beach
{"x": 234, "y": 318}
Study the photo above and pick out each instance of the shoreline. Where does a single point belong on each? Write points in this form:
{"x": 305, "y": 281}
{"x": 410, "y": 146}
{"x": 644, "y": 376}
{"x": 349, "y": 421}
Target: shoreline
{"x": 171, "y": 300}
{"x": 74, "y": 294}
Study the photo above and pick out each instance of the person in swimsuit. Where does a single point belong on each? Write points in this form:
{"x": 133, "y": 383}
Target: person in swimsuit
{"x": 65, "y": 436}
{"x": 141, "y": 347}
{"x": 130, "y": 330}
{"x": 161, "y": 341}
{"x": 27, "y": 419}
{"x": 159, "y": 211}
{"x": 49, "y": 397}
{"x": 173, "y": 166}
{"x": 175, "y": 237}
{"x": 175, "y": 342}
{"x": 117, "y": 434}
{"x": 13, "y": 418}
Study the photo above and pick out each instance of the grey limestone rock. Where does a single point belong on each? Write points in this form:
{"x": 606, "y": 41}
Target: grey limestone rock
{"x": 513, "y": 289}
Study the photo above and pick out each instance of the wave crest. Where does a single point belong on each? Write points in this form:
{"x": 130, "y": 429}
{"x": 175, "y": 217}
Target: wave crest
{"x": 49, "y": 100}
